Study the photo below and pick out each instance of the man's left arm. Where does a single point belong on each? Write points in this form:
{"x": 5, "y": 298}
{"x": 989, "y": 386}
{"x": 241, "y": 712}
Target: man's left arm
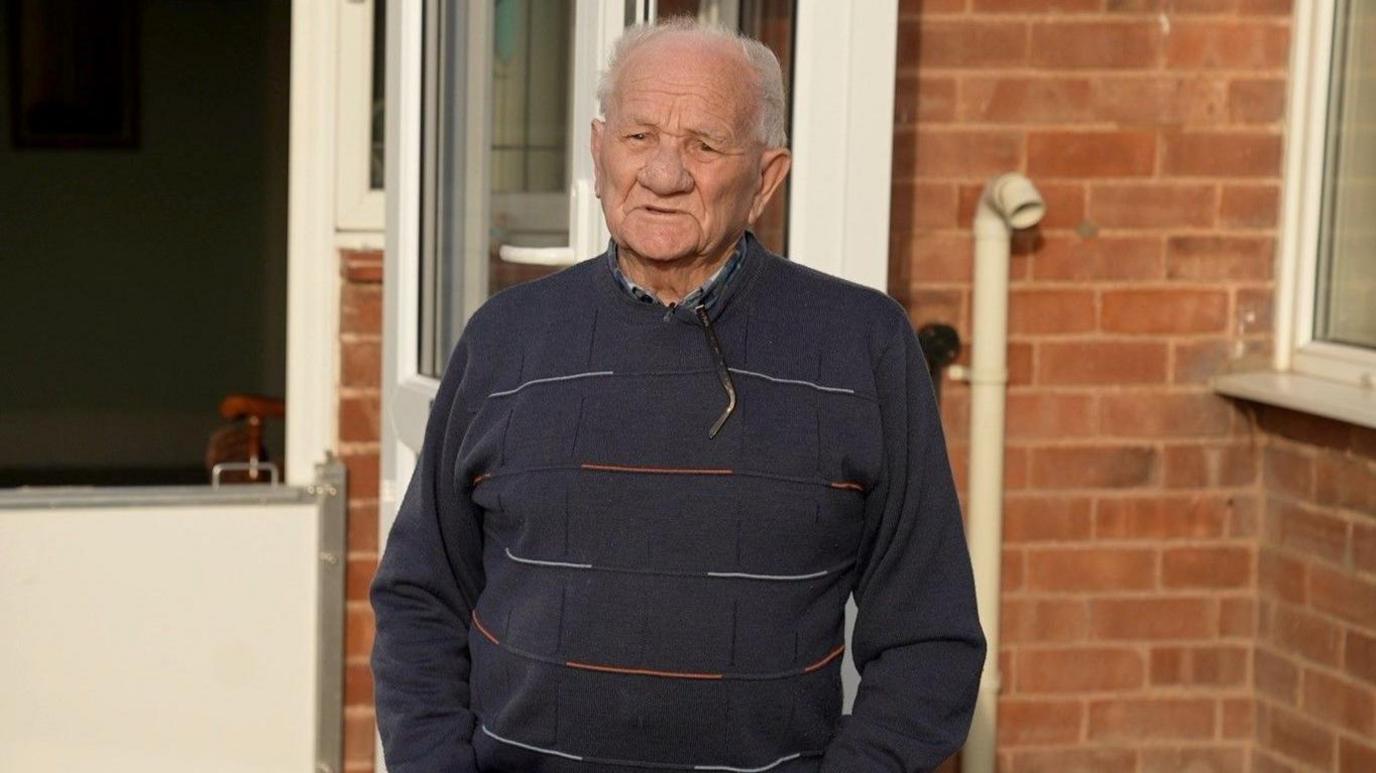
{"x": 917, "y": 641}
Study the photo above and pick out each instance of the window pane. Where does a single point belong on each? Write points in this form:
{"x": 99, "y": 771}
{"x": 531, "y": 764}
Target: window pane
{"x": 1347, "y": 249}
{"x": 522, "y": 94}
{"x": 376, "y": 170}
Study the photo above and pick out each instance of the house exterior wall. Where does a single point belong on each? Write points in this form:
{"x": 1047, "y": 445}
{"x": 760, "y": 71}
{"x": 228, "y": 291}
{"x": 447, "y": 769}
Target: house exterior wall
{"x": 1189, "y": 582}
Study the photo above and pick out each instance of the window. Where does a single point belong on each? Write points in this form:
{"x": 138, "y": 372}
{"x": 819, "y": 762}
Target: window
{"x": 359, "y": 133}
{"x": 1327, "y": 321}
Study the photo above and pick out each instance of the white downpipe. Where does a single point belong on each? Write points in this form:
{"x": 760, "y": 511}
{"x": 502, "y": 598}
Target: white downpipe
{"x": 1009, "y": 202}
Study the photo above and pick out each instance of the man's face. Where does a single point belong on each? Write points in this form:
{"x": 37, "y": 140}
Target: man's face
{"x": 681, "y": 171}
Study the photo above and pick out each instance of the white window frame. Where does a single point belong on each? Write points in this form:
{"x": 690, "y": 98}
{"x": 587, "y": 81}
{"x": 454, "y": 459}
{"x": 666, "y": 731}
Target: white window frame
{"x": 358, "y": 205}
{"x": 1296, "y": 348}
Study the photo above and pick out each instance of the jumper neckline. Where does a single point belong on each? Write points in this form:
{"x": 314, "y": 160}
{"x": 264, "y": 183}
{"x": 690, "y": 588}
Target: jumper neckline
{"x": 751, "y": 266}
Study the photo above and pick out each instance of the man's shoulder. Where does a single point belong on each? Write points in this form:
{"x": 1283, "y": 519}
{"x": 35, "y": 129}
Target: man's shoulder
{"x": 834, "y": 301}
{"x": 536, "y": 302}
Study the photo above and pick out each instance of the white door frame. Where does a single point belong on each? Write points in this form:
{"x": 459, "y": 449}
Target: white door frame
{"x": 313, "y": 283}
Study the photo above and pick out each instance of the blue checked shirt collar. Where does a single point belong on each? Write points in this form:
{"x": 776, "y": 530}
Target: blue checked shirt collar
{"x": 706, "y": 294}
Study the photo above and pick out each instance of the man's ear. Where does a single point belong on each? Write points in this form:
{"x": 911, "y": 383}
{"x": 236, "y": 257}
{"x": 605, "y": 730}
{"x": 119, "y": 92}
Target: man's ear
{"x": 595, "y": 145}
{"x": 774, "y": 166}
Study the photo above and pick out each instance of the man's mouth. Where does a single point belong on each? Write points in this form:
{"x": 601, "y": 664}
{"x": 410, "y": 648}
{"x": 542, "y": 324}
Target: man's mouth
{"x": 660, "y": 210}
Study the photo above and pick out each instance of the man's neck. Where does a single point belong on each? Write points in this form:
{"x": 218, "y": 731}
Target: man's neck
{"x": 672, "y": 280}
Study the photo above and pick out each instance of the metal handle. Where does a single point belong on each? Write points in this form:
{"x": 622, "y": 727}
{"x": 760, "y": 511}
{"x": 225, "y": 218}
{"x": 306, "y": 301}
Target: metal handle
{"x": 537, "y": 256}
{"x": 273, "y": 478}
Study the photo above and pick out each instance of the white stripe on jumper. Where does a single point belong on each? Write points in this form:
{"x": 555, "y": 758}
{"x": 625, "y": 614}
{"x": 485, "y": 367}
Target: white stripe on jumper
{"x": 533, "y": 381}
{"x": 774, "y": 764}
{"x": 538, "y": 562}
{"x": 749, "y": 576}
{"x": 532, "y": 747}
{"x": 799, "y": 382}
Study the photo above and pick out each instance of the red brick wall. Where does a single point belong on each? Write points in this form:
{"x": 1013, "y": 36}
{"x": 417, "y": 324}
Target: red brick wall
{"x": 1315, "y": 663}
{"x": 1133, "y": 499}
{"x": 360, "y": 378}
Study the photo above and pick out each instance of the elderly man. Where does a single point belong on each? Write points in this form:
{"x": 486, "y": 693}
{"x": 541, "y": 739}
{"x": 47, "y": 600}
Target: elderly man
{"x": 650, "y": 482}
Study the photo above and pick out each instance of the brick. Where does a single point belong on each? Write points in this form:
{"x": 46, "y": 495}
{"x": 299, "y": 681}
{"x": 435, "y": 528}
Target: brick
{"x": 1164, "y": 312}
{"x": 359, "y": 419}
{"x": 1256, "y": 100}
{"x": 1254, "y": 313}
{"x": 1306, "y": 635}
{"x": 1168, "y": 665}
{"x": 1305, "y": 428}
{"x": 1036, "y": 6}
{"x": 1237, "y": 618}
{"x": 362, "y": 527}
{"x": 1275, "y": 676}
{"x": 1206, "y": 567}
{"x": 1221, "y": 154}
{"x": 360, "y": 309}
{"x": 1287, "y": 471}
{"x": 1160, "y": 101}
{"x": 1364, "y": 547}
{"x": 1229, "y": 45}
{"x": 1153, "y": 719}
{"x": 1072, "y": 760}
{"x": 923, "y": 100}
{"x": 931, "y": 305}
{"x": 358, "y": 574}
{"x": 1151, "y": 205}
{"x": 1218, "y": 666}
{"x": 361, "y": 364}
{"x": 361, "y": 266}
{"x": 1340, "y": 702}
{"x": 1281, "y": 576}
{"x": 1311, "y": 532}
{"x": 1342, "y": 595}
{"x": 1042, "y": 518}
{"x": 1101, "y": 258}
{"x": 1196, "y": 466}
{"x": 1079, "y": 670}
{"x": 1249, "y": 206}
{"x": 1238, "y": 718}
{"x": 358, "y": 630}
{"x": 1219, "y": 257}
{"x": 1044, "y": 620}
{"x": 1345, "y": 482}
{"x": 1298, "y": 738}
{"x": 1205, "y": 760}
{"x": 359, "y": 736}
{"x": 939, "y": 257}
{"x": 1164, "y": 415}
{"x": 1067, "y": 569}
{"x": 1101, "y": 362}
{"x": 1050, "y": 415}
{"x": 1359, "y": 655}
{"x": 1095, "y": 44}
{"x": 964, "y": 43}
{"x": 1043, "y": 312}
{"x": 915, "y": 205}
{"x": 364, "y": 471}
{"x": 1091, "y": 154}
{"x": 1160, "y": 517}
{"x": 1011, "y": 570}
{"x": 961, "y": 154}
{"x": 1024, "y": 100}
{"x": 1093, "y": 467}
{"x": 1151, "y": 618}
{"x": 358, "y": 685}
{"x": 1039, "y": 722}
{"x": 1355, "y": 757}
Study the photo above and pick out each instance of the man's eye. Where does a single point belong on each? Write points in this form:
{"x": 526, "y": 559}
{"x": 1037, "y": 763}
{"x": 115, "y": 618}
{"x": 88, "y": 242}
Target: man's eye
{"x": 637, "y": 136}
{"x": 706, "y": 148}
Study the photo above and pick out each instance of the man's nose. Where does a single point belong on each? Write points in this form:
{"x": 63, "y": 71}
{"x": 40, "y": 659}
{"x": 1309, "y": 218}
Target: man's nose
{"x": 664, "y": 173}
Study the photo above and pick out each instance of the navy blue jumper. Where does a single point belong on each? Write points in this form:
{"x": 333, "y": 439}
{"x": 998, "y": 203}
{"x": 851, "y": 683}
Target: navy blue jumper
{"x": 580, "y": 578}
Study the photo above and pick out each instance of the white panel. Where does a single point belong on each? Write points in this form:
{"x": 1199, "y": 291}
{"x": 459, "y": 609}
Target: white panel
{"x": 159, "y": 638}
{"x": 843, "y": 80}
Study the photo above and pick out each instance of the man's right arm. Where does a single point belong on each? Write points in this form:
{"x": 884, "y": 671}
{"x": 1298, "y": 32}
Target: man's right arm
{"x": 423, "y": 596}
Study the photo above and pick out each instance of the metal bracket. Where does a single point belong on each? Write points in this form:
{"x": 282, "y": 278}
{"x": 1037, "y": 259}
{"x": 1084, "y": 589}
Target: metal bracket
{"x": 274, "y": 478}
{"x": 330, "y": 490}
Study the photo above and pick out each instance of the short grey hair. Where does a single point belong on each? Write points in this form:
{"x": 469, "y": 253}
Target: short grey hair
{"x": 771, "y": 104}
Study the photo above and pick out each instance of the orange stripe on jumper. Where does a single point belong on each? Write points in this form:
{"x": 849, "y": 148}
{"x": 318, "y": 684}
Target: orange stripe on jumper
{"x": 658, "y": 470}
{"x": 483, "y": 630}
{"x": 830, "y": 657}
{"x": 846, "y": 484}
{"x": 480, "y": 478}
{"x": 642, "y": 671}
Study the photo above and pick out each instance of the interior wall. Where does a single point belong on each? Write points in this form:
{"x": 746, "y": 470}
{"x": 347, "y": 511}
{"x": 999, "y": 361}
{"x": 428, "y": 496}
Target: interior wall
{"x": 142, "y": 285}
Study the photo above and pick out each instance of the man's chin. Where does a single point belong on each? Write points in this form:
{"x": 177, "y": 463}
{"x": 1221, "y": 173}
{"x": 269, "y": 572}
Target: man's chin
{"x": 662, "y": 250}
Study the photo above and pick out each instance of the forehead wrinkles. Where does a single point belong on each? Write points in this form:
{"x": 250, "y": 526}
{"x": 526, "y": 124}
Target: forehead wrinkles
{"x": 677, "y": 79}
{"x": 679, "y": 111}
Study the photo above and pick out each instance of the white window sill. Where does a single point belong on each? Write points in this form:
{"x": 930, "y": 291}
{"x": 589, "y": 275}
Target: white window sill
{"x": 1321, "y": 397}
